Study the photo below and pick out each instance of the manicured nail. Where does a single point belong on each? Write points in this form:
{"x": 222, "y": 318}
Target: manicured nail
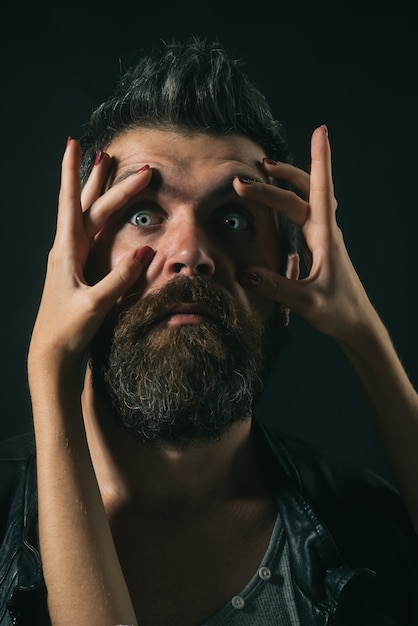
{"x": 144, "y": 255}
{"x": 270, "y": 161}
{"x": 246, "y": 181}
{"x": 250, "y": 279}
{"x": 142, "y": 169}
{"x": 99, "y": 155}
{"x": 325, "y": 129}
{"x": 68, "y": 141}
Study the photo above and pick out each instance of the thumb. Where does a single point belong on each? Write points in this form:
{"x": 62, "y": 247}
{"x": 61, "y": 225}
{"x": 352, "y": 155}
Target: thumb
{"x": 122, "y": 276}
{"x": 269, "y": 284}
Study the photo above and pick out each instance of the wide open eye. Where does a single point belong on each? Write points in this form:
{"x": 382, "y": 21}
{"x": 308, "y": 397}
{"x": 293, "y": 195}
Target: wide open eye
{"x": 236, "y": 221}
{"x": 145, "y": 218}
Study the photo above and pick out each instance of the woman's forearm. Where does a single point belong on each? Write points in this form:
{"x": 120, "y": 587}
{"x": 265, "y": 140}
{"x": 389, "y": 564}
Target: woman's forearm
{"x": 81, "y": 568}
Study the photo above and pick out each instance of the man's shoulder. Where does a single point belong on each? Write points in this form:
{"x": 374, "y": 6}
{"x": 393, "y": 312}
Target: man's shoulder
{"x": 309, "y": 465}
{"x": 20, "y": 566}
{"x": 17, "y": 471}
{"x": 18, "y": 448}
{"x": 348, "y": 511}
{"x": 340, "y": 490}
{"x": 17, "y": 486}
{"x": 356, "y": 504}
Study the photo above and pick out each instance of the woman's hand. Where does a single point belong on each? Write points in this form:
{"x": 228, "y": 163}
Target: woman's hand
{"x": 331, "y": 298}
{"x": 74, "y": 532}
{"x": 71, "y": 311}
{"x": 334, "y": 301}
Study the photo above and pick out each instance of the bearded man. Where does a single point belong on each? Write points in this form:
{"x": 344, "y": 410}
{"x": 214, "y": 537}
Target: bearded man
{"x": 159, "y": 499}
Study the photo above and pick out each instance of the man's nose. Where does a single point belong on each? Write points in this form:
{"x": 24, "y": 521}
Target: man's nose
{"x": 188, "y": 251}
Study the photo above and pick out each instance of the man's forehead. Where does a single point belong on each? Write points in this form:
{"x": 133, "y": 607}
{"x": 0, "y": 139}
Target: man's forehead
{"x": 218, "y": 187}
{"x": 174, "y": 155}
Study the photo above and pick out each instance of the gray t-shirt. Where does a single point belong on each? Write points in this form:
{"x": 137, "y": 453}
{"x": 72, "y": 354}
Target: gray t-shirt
{"x": 268, "y": 598}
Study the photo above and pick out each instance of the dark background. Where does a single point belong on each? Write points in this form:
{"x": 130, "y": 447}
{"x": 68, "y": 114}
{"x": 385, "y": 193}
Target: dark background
{"x": 351, "y": 67}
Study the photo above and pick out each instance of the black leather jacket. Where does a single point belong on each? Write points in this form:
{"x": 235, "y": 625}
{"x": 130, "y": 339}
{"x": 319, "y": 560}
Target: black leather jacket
{"x": 353, "y": 551}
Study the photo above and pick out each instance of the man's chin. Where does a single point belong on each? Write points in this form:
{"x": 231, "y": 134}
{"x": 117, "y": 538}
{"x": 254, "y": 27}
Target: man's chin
{"x": 182, "y": 374}
{"x": 176, "y": 441}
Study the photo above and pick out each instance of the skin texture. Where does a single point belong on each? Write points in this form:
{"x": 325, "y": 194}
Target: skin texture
{"x": 100, "y": 474}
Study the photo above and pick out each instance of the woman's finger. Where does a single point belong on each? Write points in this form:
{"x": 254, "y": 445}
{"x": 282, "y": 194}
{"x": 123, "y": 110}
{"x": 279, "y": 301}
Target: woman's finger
{"x": 296, "y": 178}
{"x": 69, "y": 208}
{"x": 269, "y": 284}
{"x": 321, "y": 194}
{"x": 114, "y": 199}
{"x": 122, "y": 276}
{"x": 287, "y": 202}
{"x": 95, "y": 184}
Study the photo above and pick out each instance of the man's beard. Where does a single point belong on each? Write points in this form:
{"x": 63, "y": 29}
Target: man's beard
{"x": 181, "y": 384}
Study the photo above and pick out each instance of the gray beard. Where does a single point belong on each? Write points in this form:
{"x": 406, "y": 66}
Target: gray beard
{"x": 180, "y": 385}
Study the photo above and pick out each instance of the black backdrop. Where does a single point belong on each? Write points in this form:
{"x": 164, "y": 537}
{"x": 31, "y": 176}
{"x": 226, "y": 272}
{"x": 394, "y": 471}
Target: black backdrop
{"x": 352, "y": 67}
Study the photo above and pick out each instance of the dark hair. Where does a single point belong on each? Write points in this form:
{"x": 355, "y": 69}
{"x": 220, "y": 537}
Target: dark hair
{"x": 193, "y": 87}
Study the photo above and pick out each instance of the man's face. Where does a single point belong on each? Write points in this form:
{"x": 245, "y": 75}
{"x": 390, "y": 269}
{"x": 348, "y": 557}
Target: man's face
{"x": 190, "y": 214}
{"x": 203, "y": 233}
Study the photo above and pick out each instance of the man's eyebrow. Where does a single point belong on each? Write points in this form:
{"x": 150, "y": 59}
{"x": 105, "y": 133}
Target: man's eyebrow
{"x": 122, "y": 177}
{"x": 157, "y": 184}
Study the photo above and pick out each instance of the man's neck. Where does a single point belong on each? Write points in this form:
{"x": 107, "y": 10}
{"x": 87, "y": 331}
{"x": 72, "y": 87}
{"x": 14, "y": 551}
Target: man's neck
{"x": 130, "y": 472}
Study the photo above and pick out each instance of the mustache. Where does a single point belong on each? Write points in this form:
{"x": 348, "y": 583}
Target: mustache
{"x": 218, "y": 305}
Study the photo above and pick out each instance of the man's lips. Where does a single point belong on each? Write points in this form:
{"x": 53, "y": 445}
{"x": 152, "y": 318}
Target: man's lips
{"x": 187, "y": 313}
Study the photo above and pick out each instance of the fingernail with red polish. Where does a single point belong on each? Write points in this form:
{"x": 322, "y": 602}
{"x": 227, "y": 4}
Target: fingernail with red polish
{"x": 99, "y": 155}
{"x": 250, "y": 279}
{"x": 144, "y": 255}
{"x": 142, "y": 169}
{"x": 270, "y": 161}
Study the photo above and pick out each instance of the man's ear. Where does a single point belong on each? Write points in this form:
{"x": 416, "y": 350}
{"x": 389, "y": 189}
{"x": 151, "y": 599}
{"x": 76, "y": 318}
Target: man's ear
{"x": 293, "y": 266}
